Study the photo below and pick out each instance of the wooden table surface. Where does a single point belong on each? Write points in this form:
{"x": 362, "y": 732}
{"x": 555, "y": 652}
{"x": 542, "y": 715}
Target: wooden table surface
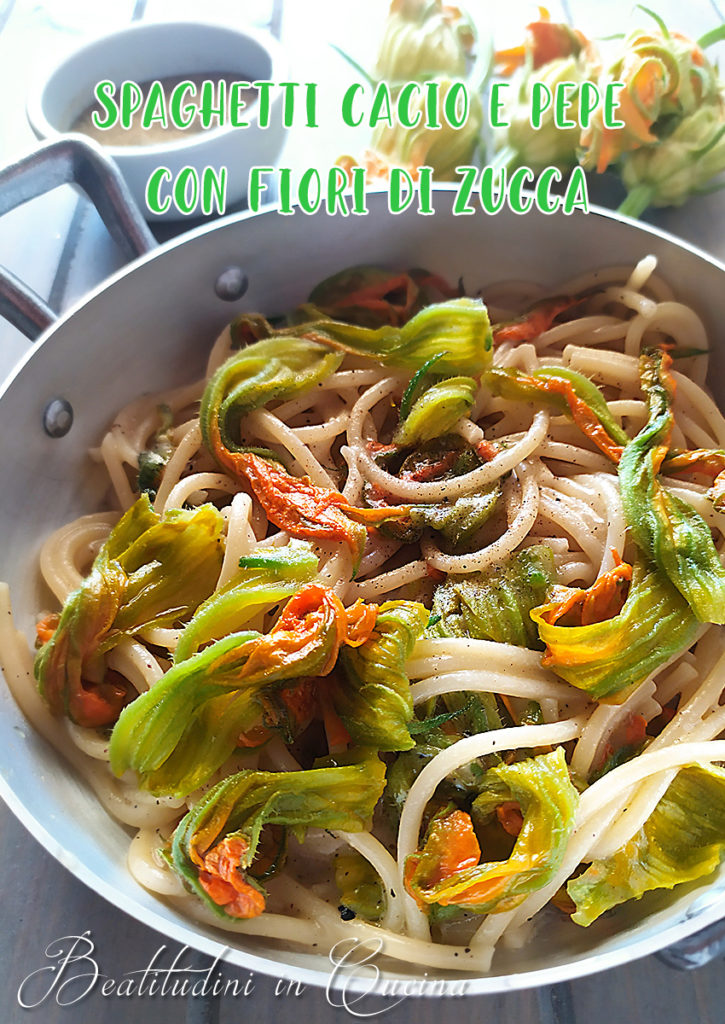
{"x": 40, "y": 902}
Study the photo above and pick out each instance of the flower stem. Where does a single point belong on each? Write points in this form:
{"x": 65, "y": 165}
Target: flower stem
{"x": 503, "y": 158}
{"x": 637, "y": 201}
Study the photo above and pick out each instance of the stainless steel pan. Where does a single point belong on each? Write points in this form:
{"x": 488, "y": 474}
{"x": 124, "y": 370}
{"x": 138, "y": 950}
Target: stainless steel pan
{"x": 151, "y": 326}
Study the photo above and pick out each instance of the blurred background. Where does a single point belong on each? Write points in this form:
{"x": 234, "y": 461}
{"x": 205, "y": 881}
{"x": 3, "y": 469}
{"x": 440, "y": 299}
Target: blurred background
{"x": 57, "y": 243}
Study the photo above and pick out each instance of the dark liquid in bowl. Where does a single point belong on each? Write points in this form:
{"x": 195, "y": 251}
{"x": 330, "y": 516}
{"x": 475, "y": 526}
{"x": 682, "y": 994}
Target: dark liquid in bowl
{"x": 157, "y": 133}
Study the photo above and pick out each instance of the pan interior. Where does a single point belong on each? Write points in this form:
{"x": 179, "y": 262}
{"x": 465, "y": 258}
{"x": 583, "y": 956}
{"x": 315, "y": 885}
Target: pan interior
{"x": 151, "y": 328}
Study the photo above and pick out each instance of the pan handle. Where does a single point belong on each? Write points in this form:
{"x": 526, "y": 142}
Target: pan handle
{"x": 71, "y": 160}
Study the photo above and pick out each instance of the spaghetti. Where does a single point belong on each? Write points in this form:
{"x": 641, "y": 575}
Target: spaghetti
{"x": 460, "y": 664}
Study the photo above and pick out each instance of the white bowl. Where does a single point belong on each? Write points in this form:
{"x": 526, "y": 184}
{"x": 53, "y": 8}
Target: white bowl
{"x": 153, "y": 50}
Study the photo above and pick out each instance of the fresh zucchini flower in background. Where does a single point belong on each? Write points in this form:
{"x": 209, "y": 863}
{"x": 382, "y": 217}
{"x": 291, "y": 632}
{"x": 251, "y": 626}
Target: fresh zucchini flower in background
{"x": 443, "y": 148}
{"x": 523, "y": 145}
{"x": 546, "y": 41}
{"x": 666, "y": 76}
{"x": 680, "y": 166}
{"x": 423, "y": 39}
{"x": 552, "y": 53}
{"x": 671, "y": 104}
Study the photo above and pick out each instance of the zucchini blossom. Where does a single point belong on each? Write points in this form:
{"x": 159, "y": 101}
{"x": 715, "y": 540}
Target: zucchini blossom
{"x": 669, "y": 105}
{"x": 424, "y": 38}
{"x": 680, "y": 166}
{"x": 547, "y": 146}
{"x": 666, "y": 77}
{"x": 443, "y": 148}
